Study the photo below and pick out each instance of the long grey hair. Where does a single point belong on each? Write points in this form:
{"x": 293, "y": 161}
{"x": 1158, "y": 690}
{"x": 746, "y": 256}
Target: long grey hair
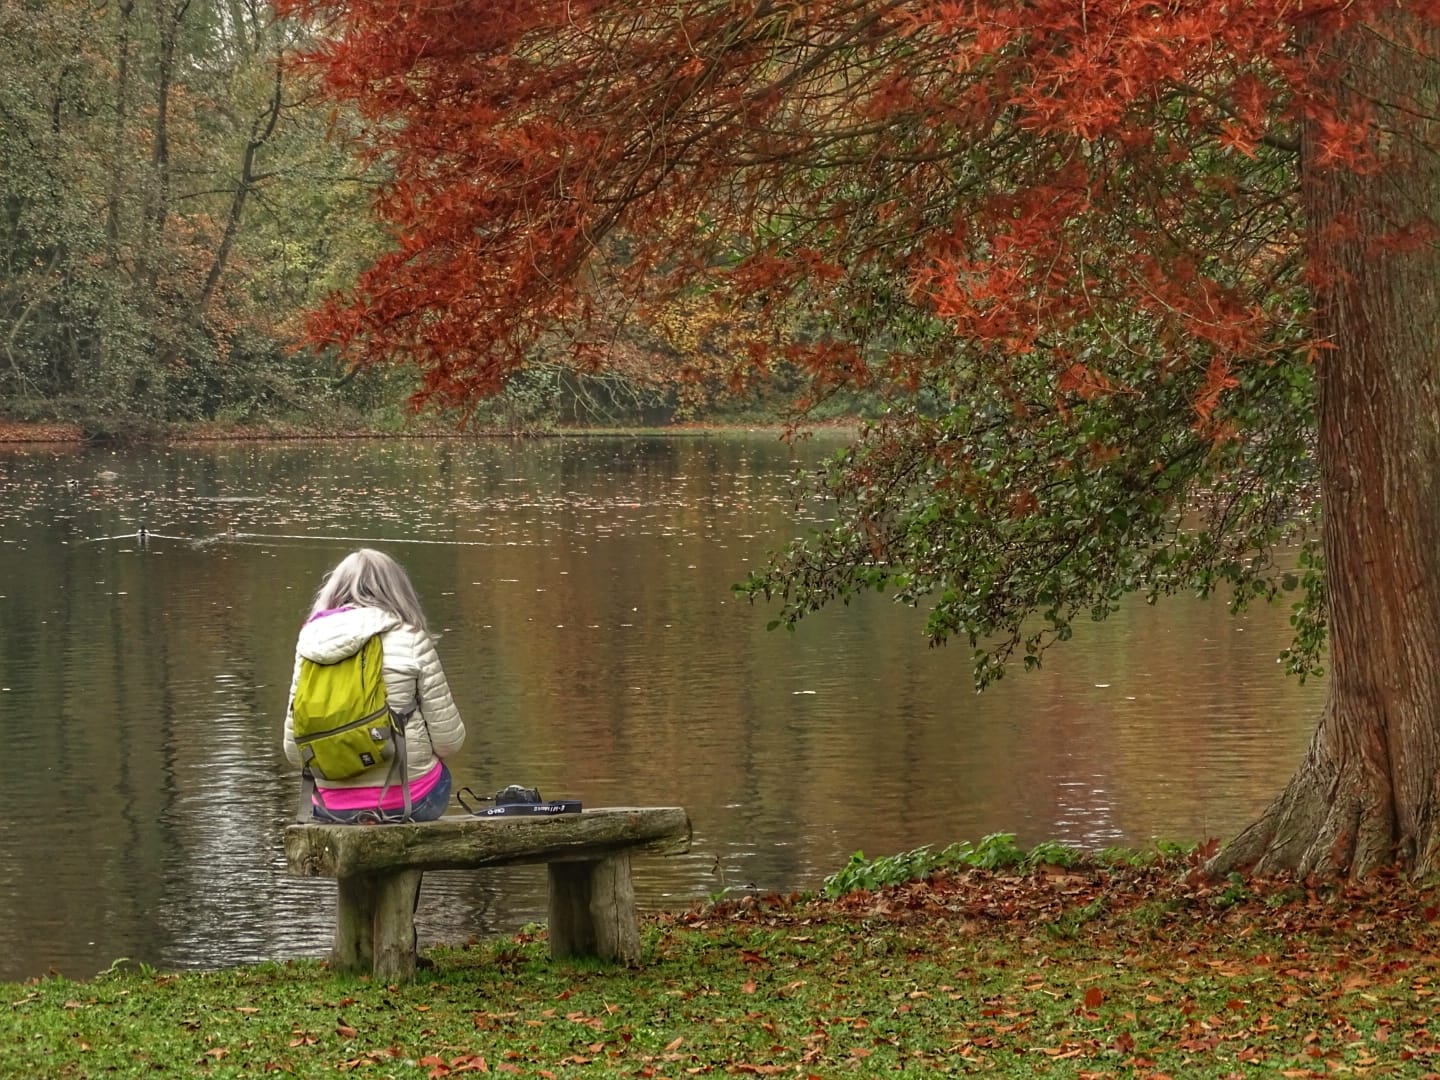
{"x": 370, "y": 578}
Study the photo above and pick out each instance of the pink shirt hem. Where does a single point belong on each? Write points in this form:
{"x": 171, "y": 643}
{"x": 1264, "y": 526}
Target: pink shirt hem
{"x": 368, "y": 798}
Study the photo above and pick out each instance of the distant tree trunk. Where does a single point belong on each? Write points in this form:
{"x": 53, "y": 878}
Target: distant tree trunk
{"x": 169, "y": 18}
{"x": 117, "y": 146}
{"x": 160, "y": 144}
{"x": 1368, "y": 791}
{"x": 260, "y": 132}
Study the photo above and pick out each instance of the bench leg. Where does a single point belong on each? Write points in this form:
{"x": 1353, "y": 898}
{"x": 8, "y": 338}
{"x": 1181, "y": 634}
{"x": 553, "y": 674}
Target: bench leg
{"x": 395, "y": 899}
{"x": 354, "y": 926}
{"x": 592, "y": 910}
{"x": 375, "y": 925}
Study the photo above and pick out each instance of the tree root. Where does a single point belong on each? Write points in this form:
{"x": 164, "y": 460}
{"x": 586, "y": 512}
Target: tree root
{"x": 1329, "y": 822}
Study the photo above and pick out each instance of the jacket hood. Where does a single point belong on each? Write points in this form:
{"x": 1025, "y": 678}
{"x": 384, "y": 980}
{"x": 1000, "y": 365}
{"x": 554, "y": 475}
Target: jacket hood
{"x": 334, "y": 635}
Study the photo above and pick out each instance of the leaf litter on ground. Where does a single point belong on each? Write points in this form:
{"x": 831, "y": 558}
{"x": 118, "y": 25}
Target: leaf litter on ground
{"x": 1089, "y": 970}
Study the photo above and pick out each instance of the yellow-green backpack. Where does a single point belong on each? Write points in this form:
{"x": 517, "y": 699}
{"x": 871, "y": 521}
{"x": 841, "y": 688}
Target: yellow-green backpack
{"x": 343, "y": 722}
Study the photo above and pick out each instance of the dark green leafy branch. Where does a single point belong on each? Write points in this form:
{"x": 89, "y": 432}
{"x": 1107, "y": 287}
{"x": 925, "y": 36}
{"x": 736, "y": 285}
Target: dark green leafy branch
{"x": 1013, "y": 508}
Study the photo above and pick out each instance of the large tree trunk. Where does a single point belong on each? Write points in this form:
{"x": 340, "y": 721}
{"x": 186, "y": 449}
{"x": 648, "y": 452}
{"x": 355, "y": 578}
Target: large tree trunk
{"x": 1366, "y": 794}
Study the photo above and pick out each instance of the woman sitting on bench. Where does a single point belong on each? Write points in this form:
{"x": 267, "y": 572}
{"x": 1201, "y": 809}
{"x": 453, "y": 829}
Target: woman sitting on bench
{"x": 370, "y": 594}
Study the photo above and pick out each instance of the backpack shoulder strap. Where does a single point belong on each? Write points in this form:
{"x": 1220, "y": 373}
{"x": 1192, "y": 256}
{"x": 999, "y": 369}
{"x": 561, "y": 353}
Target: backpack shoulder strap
{"x": 400, "y": 763}
{"x": 306, "y": 810}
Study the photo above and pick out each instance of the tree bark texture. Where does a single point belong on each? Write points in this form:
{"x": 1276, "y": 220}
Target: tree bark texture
{"x": 1366, "y": 793}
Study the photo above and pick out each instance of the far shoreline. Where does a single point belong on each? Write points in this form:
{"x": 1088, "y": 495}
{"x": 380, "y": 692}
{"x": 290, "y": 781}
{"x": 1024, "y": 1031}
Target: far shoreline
{"x": 26, "y": 433}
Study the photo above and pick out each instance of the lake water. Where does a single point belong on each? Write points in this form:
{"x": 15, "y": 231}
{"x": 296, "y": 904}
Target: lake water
{"x": 582, "y": 591}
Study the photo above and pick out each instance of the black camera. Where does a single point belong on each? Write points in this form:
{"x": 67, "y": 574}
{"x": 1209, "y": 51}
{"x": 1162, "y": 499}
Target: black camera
{"x": 517, "y": 794}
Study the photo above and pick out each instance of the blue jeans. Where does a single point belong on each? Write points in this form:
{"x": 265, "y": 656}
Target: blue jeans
{"x": 427, "y": 809}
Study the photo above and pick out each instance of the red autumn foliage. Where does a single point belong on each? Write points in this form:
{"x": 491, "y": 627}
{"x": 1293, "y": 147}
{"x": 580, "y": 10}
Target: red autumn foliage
{"x": 1023, "y": 173}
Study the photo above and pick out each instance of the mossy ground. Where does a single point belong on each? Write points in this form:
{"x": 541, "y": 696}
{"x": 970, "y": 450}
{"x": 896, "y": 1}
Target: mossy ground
{"x": 1082, "y": 971}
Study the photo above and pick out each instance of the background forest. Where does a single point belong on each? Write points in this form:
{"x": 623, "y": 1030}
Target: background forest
{"x": 173, "y": 196}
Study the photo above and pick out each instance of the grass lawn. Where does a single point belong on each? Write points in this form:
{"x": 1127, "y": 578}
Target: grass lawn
{"x": 1041, "y": 970}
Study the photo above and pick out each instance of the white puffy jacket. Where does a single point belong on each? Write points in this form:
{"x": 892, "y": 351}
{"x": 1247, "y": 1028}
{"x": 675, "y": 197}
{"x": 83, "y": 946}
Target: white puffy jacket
{"x": 412, "y": 671}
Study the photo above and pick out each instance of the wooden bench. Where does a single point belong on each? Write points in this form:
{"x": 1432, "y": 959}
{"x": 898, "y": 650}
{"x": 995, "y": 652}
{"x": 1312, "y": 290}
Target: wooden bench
{"x": 591, "y": 900}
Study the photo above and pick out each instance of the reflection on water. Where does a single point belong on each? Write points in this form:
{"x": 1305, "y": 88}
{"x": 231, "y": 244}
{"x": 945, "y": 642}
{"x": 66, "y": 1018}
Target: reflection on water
{"x": 590, "y": 636}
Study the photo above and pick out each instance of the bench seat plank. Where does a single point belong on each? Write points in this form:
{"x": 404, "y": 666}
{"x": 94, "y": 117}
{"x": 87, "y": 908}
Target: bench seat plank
{"x": 467, "y": 842}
